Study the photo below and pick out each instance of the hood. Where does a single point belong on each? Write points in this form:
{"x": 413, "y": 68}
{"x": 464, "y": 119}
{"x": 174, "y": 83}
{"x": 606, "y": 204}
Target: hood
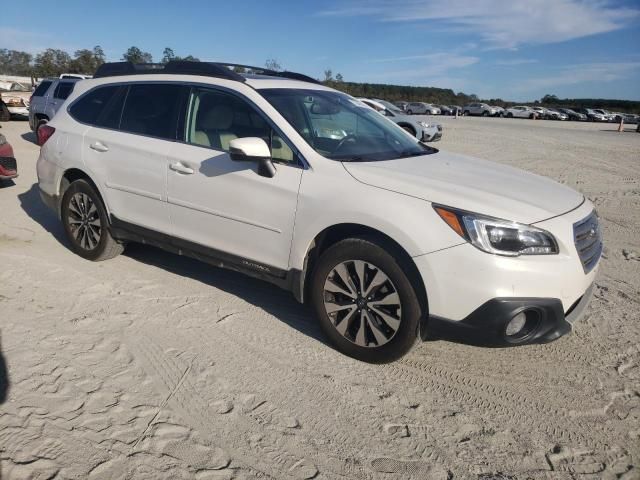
{"x": 470, "y": 184}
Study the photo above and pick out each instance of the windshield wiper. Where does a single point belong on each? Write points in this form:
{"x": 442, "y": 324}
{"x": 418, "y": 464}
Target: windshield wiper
{"x": 411, "y": 153}
{"x": 357, "y": 158}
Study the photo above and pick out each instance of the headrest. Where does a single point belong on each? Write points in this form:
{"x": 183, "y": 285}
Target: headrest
{"x": 219, "y": 117}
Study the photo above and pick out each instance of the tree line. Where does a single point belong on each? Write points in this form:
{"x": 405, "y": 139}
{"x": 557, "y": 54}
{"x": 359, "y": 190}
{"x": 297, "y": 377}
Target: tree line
{"x": 52, "y": 62}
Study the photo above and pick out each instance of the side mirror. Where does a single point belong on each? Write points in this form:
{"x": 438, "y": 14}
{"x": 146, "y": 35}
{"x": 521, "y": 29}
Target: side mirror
{"x": 253, "y": 149}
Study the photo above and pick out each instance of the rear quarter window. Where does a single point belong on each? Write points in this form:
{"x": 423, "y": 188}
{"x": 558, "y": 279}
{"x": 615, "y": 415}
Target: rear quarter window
{"x": 63, "y": 90}
{"x": 88, "y": 108}
{"x": 41, "y": 89}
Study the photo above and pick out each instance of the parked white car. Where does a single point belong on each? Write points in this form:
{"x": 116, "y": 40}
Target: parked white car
{"x": 421, "y": 108}
{"x": 425, "y": 131}
{"x": 303, "y": 186}
{"x": 15, "y": 96}
{"x": 481, "y": 109}
{"x": 520, "y": 111}
{"x": 553, "y": 114}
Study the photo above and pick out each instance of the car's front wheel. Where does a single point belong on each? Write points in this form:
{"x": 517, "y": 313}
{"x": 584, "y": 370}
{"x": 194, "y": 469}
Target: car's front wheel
{"x": 365, "y": 301}
{"x": 85, "y": 223}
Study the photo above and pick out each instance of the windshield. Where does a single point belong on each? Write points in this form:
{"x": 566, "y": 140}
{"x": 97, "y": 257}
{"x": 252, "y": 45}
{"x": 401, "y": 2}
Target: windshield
{"x": 18, "y": 87}
{"x": 340, "y": 127}
{"x": 390, "y": 106}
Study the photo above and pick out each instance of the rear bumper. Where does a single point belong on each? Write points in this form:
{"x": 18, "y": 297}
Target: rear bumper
{"x": 50, "y": 201}
{"x": 486, "y": 326}
{"x": 21, "y": 111}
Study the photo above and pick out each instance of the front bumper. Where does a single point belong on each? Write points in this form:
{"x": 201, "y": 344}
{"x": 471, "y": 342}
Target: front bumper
{"x": 486, "y": 326}
{"x": 433, "y": 134}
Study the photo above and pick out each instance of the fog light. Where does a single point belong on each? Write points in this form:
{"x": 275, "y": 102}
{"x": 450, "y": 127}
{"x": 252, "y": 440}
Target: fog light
{"x": 515, "y": 326}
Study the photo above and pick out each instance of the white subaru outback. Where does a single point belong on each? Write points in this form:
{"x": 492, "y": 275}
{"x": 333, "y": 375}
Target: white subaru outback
{"x": 277, "y": 176}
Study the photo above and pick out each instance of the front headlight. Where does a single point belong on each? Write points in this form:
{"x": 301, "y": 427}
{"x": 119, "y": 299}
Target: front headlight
{"x": 494, "y": 235}
{"x": 424, "y": 124}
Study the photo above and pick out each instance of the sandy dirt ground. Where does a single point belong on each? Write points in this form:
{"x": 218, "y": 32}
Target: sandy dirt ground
{"x": 155, "y": 366}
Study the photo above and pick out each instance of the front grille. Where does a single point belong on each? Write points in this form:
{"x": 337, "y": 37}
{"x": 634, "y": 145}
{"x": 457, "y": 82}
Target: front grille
{"x": 588, "y": 239}
{"x": 8, "y": 163}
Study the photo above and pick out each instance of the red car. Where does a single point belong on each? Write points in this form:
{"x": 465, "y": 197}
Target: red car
{"x": 8, "y": 166}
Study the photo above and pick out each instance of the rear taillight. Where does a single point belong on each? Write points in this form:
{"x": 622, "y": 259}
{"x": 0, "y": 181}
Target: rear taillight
{"x": 44, "y": 133}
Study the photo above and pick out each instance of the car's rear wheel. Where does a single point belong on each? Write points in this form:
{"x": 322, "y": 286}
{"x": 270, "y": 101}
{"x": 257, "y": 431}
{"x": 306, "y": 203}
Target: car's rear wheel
{"x": 485, "y": 114}
{"x": 410, "y": 112}
{"x": 365, "y": 302}
{"x": 85, "y": 223}
{"x": 466, "y": 112}
{"x": 509, "y": 115}
{"x": 531, "y": 116}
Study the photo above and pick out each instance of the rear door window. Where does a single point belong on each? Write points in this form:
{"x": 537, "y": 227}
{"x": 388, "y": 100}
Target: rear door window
{"x": 41, "y": 89}
{"x": 153, "y": 109}
{"x": 89, "y": 107}
{"x": 63, "y": 90}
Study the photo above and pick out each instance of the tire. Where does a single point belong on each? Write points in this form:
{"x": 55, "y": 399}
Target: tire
{"x": 5, "y": 114}
{"x": 409, "y": 112}
{"x": 531, "y": 117}
{"x": 90, "y": 241}
{"x": 509, "y": 115}
{"x": 466, "y": 112}
{"x": 485, "y": 114}
{"x": 408, "y": 129}
{"x": 381, "y": 344}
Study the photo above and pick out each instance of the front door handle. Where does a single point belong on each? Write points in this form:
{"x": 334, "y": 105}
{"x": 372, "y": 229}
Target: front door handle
{"x": 99, "y": 147}
{"x": 180, "y": 168}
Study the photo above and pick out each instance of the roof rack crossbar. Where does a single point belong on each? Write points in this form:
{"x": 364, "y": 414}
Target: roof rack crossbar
{"x": 185, "y": 67}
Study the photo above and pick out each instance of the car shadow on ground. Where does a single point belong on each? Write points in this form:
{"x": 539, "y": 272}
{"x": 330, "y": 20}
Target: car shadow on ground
{"x": 33, "y": 206}
{"x": 4, "y": 377}
{"x": 30, "y": 137}
{"x": 7, "y": 183}
{"x": 263, "y": 295}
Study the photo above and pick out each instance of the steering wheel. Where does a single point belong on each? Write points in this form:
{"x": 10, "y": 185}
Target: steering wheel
{"x": 345, "y": 140}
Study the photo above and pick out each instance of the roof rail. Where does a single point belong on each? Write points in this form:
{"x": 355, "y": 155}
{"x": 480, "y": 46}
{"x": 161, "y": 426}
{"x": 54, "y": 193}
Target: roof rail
{"x": 113, "y": 69}
{"x": 272, "y": 73}
{"x": 184, "y": 67}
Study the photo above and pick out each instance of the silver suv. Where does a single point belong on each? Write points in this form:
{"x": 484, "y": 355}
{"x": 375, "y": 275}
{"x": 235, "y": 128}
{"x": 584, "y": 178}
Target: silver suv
{"x": 421, "y": 108}
{"x": 47, "y": 99}
{"x": 481, "y": 109}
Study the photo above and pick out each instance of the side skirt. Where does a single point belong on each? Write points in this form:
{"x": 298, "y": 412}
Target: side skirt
{"x": 285, "y": 279}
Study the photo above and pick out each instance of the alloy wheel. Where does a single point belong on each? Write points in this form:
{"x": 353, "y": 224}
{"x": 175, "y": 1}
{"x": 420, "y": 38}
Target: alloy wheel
{"x": 362, "y": 303}
{"x": 84, "y": 221}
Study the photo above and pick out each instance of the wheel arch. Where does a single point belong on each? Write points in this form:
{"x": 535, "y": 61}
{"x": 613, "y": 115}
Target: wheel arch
{"x": 335, "y": 233}
{"x": 409, "y": 126}
{"x": 72, "y": 174}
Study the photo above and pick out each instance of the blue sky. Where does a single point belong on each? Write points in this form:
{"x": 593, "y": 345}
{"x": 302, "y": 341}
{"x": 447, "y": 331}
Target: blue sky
{"x": 513, "y": 49}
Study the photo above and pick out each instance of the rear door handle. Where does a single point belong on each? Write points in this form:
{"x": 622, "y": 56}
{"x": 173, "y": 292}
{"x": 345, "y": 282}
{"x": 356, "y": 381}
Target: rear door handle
{"x": 99, "y": 147}
{"x": 180, "y": 168}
